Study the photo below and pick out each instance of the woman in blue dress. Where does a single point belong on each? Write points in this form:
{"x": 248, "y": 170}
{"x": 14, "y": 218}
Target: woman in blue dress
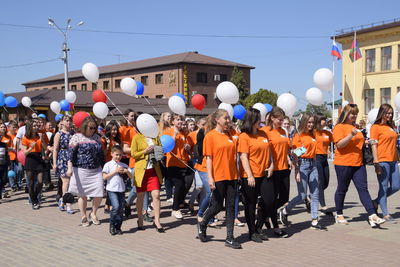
{"x": 60, "y": 159}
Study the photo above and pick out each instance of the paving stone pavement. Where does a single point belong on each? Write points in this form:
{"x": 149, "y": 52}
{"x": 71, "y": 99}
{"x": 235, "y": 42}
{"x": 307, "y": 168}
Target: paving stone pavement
{"x": 48, "y": 237}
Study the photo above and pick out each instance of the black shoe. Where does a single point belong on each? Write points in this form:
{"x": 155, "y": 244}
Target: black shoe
{"x": 128, "y": 210}
{"x": 202, "y": 232}
{"x": 268, "y": 225}
{"x": 160, "y": 230}
{"x": 140, "y": 228}
{"x": 113, "y": 231}
{"x": 326, "y": 212}
{"x": 50, "y": 187}
{"x": 281, "y": 233}
{"x": 36, "y": 206}
{"x": 263, "y": 236}
{"x": 318, "y": 226}
{"x": 107, "y": 211}
{"x": 255, "y": 237}
{"x": 232, "y": 243}
{"x": 308, "y": 205}
{"x": 119, "y": 232}
{"x": 147, "y": 218}
{"x": 283, "y": 217}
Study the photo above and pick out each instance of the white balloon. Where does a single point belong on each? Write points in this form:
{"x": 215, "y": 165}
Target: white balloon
{"x": 227, "y": 107}
{"x": 177, "y": 105}
{"x": 288, "y": 103}
{"x": 227, "y": 92}
{"x": 128, "y": 86}
{"x": 100, "y": 110}
{"x": 263, "y": 110}
{"x": 91, "y": 72}
{"x": 26, "y": 101}
{"x": 323, "y": 79}
{"x": 55, "y": 107}
{"x": 372, "y": 114}
{"x": 147, "y": 125}
{"x": 397, "y": 101}
{"x": 314, "y": 96}
{"x": 70, "y": 97}
{"x": 345, "y": 103}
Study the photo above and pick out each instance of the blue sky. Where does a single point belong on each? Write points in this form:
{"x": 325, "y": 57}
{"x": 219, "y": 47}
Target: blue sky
{"x": 282, "y": 64}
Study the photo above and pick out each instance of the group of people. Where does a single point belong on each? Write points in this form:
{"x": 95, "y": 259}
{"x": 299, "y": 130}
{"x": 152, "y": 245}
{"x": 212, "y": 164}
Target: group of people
{"x": 250, "y": 160}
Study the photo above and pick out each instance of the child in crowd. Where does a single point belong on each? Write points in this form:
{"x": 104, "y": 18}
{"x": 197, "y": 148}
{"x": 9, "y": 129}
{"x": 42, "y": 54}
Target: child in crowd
{"x": 114, "y": 172}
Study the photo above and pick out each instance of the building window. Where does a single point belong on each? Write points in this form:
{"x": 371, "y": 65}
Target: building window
{"x": 106, "y": 85}
{"x": 159, "y": 96}
{"x": 118, "y": 83}
{"x": 386, "y": 58}
{"x": 84, "y": 87}
{"x": 385, "y": 95}
{"x": 94, "y": 86}
{"x": 54, "y": 88}
{"x": 205, "y": 97}
{"x": 73, "y": 87}
{"x": 159, "y": 78}
{"x": 201, "y": 77}
{"x": 370, "y": 60}
{"x": 224, "y": 77}
{"x": 144, "y": 79}
{"x": 369, "y": 100}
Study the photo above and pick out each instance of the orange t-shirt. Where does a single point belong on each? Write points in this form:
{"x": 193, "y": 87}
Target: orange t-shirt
{"x": 258, "y": 151}
{"x": 180, "y": 141}
{"x": 38, "y": 146}
{"x": 201, "y": 167}
{"x": 324, "y": 138}
{"x": 280, "y": 144}
{"x": 351, "y": 154}
{"x": 9, "y": 140}
{"x": 308, "y": 142}
{"x": 108, "y": 151}
{"x": 222, "y": 149}
{"x": 193, "y": 137}
{"x": 126, "y": 134}
{"x": 387, "y": 138}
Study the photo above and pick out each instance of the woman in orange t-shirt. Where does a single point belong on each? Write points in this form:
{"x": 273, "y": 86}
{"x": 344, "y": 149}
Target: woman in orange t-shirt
{"x": 256, "y": 169}
{"x": 220, "y": 152}
{"x": 306, "y": 173}
{"x": 15, "y": 182}
{"x": 177, "y": 161}
{"x": 385, "y": 158}
{"x": 33, "y": 145}
{"x": 349, "y": 164}
{"x": 324, "y": 140}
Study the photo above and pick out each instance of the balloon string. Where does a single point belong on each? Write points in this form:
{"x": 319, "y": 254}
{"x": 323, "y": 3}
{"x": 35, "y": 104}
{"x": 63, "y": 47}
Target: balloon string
{"x": 116, "y": 107}
{"x": 151, "y": 105}
{"x": 182, "y": 161}
{"x": 5, "y": 109}
{"x": 31, "y": 109}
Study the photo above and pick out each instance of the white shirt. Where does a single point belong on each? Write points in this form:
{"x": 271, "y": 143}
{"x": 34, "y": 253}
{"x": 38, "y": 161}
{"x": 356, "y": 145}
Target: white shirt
{"x": 21, "y": 132}
{"x": 115, "y": 183}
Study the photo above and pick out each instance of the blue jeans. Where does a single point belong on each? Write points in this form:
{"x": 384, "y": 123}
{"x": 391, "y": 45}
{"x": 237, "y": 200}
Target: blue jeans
{"x": 206, "y": 197}
{"x": 15, "y": 182}
{"x": 308, "y": 176}
{"x": 117, "y": 211}
{"x": 389, "y": 183}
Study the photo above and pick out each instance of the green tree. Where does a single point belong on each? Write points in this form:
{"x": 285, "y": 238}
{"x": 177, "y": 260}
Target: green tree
{"x": 323, "y": 109}
{"x": 262, "y": 96}
{"x": 238, "y": 80}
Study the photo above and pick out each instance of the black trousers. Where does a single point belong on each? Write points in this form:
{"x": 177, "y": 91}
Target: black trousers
{"x": 224, "y": 190}
{"x": 35, "y": 179}
{"x": 281, "y": 180}
{"x": 265, "y": 189}
{"x": 177, "y": 177}
{"x": 3, "y": 176}
{"x": 323, "y": 176}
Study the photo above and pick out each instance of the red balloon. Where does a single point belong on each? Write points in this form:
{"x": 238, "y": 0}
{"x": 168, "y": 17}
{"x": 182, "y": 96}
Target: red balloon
{"x": 198, "y": 101}
{"x": 99, "y": 96}
{"x": 21, "y": 157}
{"x": 78, "y": 118}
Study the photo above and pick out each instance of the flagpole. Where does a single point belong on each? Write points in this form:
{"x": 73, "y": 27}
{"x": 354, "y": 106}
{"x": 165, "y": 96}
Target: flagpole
{"x": 333, "y": 86}
{"x": 354, "y": 70}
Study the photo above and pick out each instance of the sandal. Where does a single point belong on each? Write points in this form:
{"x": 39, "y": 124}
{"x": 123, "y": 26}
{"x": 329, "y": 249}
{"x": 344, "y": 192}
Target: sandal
{"x": 94, "y": 219}
{"x": 341, "y": 220}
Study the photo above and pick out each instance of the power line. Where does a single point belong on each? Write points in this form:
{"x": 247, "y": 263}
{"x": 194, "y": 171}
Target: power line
{"x": 179, "y": 34}
{"x": 29, "y": 64}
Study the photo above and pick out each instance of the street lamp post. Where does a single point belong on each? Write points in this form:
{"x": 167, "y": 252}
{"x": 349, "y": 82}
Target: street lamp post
{"x": 65, "y": 48}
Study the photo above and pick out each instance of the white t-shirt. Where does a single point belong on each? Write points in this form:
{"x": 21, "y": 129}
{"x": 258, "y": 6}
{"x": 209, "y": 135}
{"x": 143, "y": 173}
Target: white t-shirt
{"x": 115, "y": 183}
{"x": 21, "y": 132}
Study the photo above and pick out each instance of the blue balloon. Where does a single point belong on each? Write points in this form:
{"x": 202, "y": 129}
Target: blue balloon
{"x": 11, "y": 174}
{"x": 181, "y": 96}
{"x": 41, "y": 115}
{"x": 64, "y": 105}
{"x": 168, "y": 143}
{"x": 238, "y": 112}
{"x": 59, "y": 117}
{"x": 1, "y": 99}
{"x": 268, "y": 107}
{"x": 11, "y": 102}
{"x": 139, "y": 88}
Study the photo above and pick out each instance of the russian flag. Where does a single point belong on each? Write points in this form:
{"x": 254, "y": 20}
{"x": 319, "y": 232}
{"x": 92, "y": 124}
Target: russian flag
{"x": 335, "y": 51}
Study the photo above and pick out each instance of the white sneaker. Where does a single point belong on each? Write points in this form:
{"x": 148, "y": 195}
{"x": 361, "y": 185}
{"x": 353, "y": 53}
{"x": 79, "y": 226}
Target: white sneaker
{"x": 177, "y": 214}
{"x": 170, "y": 200}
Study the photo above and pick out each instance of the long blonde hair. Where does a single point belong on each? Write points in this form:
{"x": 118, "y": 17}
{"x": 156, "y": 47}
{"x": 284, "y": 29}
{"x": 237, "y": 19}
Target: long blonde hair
{"x": 348, "y": 109}
{"x": 304, "y": 121}
{"x": 163, "y": 124}
{"x": 212, "y": 119}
